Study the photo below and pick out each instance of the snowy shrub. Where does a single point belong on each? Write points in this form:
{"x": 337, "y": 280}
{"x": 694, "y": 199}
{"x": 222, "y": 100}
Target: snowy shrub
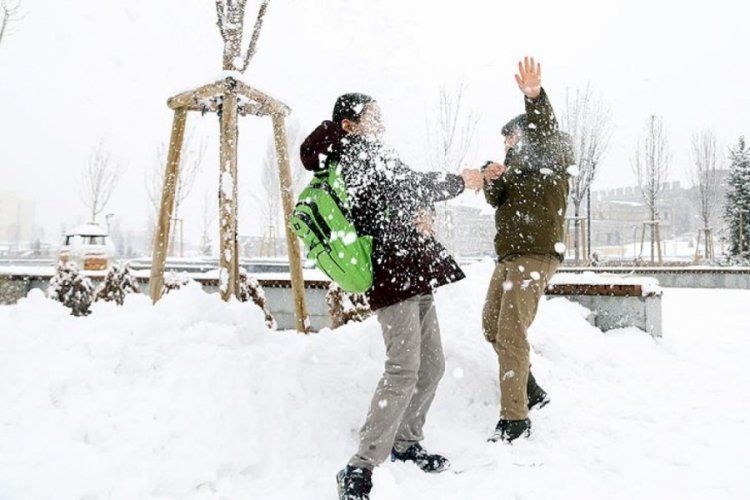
{"x": 118, "y": 283}
{"x": 174, "y": 281}
{"x": 71, "y": 289}
{"x": 250, "y": 289}
{"x": 345, "y": 307}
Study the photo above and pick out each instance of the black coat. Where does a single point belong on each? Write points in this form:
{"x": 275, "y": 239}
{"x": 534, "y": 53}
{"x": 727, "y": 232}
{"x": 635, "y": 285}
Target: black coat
{"x": 384, "y": 196}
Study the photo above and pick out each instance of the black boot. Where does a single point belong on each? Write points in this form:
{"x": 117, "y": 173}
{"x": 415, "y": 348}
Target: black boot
{"x": 425, "y": 461}
{"x": 537, "y": 396}
{"x": 510, "y": 430}
{"x": 354, "y": 483}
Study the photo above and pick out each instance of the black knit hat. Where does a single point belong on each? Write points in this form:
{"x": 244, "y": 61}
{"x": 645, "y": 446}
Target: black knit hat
{"x": 350, "y": 107}
{"x": 517, "y": 124}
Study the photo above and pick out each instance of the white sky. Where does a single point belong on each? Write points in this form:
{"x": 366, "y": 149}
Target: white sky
{"x": 78, "y": 71}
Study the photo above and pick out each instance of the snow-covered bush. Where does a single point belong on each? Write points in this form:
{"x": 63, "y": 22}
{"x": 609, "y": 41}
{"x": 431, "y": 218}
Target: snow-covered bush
{"x": 174, "y": 281}
{"x": 345, "y": 307}
{"x": 71, "y": 289}
{"x": 117, "y": 284}
{"x": 250, "y": 289}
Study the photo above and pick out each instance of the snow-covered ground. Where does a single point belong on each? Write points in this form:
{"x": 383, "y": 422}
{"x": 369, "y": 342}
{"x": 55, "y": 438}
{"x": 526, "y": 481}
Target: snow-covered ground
{"x": 195, "y": 399}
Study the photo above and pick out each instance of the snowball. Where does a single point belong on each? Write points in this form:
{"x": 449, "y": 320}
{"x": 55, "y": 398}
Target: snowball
{"x": 458, "y": 373}
{"x": 573, "y": 170}
{"x": 560, "y": 247}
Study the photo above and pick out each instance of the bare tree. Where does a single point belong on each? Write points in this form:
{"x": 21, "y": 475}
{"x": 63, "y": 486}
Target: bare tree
{"x": 231, "y": 23}
{"x": 707, "y": 180}
{"x": 450, "y": 130}
{"x": 98, "y": 180}
{"x": 10, "y": 13}
{"x": 588, "y": 121}
{"x": 450, "y": 133}
{"x": 192, "y": 156}
{"x": 208, "y": 217}
{"x": 650, "y": 164}
{"x": 705, "y": 173}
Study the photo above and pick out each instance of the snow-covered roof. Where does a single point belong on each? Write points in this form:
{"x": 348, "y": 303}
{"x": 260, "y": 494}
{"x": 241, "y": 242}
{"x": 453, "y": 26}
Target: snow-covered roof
{"x": 87, "y": 230}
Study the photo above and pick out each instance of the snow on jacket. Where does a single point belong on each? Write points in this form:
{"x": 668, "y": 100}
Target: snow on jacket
{"x": 385, "y": 195}
{"x": 531, "y": 197}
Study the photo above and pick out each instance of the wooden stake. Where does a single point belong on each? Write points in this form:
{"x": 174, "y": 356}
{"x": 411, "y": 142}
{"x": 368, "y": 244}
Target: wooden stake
{"x": 161, "y": 237}
{"x": 228, "y": 258}
{"x": 287, "y": 197}
{"x": 658, "y": 241}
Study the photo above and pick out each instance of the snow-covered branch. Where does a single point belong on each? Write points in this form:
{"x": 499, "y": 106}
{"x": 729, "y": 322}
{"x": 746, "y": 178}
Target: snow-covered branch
{"x": 256, "y": 33}
{"x": 98, "y": 181}
{"x": 10, "y": 12}
{"x": 231, "y": 21}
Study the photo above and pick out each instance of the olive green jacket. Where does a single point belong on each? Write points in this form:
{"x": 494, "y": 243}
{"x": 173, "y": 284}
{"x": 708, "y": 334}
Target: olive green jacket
{"x": 530, "y": 198}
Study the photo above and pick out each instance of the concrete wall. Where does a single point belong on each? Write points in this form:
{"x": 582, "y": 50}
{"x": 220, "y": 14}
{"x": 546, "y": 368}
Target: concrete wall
{"x": 13, "y": 288}
{"x": 609, "y": 312}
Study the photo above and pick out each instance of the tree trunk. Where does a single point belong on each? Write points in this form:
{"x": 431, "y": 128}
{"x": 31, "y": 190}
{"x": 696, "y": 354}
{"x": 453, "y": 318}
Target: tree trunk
{"x": 653, "y": 233}
{"x": 577, "y": 232}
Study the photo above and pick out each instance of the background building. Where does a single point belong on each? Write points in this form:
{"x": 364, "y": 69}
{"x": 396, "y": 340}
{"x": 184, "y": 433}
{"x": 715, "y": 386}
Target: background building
{"x": 16, "y": 223}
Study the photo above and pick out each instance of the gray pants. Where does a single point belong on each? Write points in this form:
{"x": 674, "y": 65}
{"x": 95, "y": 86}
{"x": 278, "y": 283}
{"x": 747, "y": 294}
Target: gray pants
{"x": 413, "y": 367}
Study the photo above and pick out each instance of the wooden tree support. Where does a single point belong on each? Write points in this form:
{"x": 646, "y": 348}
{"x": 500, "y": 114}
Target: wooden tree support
{"x": 231, "y": 98}
{"x": 228, "y": 259}
{"x": 161, "y": 237}
{"x": 287, "y": 198}
{"x": 709, "y": 244}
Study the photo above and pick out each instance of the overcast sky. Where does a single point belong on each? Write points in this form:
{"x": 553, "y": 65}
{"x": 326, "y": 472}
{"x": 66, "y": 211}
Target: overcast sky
{"x": 79, "y": 71}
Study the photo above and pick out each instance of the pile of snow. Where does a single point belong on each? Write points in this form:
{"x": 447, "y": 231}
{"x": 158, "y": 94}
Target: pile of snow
{"x": 195, "y": 399}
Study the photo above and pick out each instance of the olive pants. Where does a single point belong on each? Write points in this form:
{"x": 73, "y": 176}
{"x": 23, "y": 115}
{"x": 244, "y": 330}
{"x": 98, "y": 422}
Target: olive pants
{"x": 516, "y": 287}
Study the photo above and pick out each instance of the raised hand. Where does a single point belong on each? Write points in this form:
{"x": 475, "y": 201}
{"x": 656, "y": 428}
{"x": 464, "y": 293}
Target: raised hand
{"x": 472, "y": 178}
{"x": 529, "y": 77}
{"x": 493, "y": 171}
{"x": 423, "y": 221}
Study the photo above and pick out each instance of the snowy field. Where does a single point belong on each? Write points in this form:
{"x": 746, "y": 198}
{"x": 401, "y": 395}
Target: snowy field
{"x": 195, "y": 399}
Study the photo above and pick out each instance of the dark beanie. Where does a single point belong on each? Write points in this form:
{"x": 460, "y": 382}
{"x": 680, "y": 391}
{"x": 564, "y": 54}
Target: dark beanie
{"x": 517, "y": 124}
{"x": 350, "y": 107}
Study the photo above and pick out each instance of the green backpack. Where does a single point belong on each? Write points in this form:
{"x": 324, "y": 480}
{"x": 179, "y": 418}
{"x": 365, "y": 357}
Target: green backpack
{"x": 321, "y": 221}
